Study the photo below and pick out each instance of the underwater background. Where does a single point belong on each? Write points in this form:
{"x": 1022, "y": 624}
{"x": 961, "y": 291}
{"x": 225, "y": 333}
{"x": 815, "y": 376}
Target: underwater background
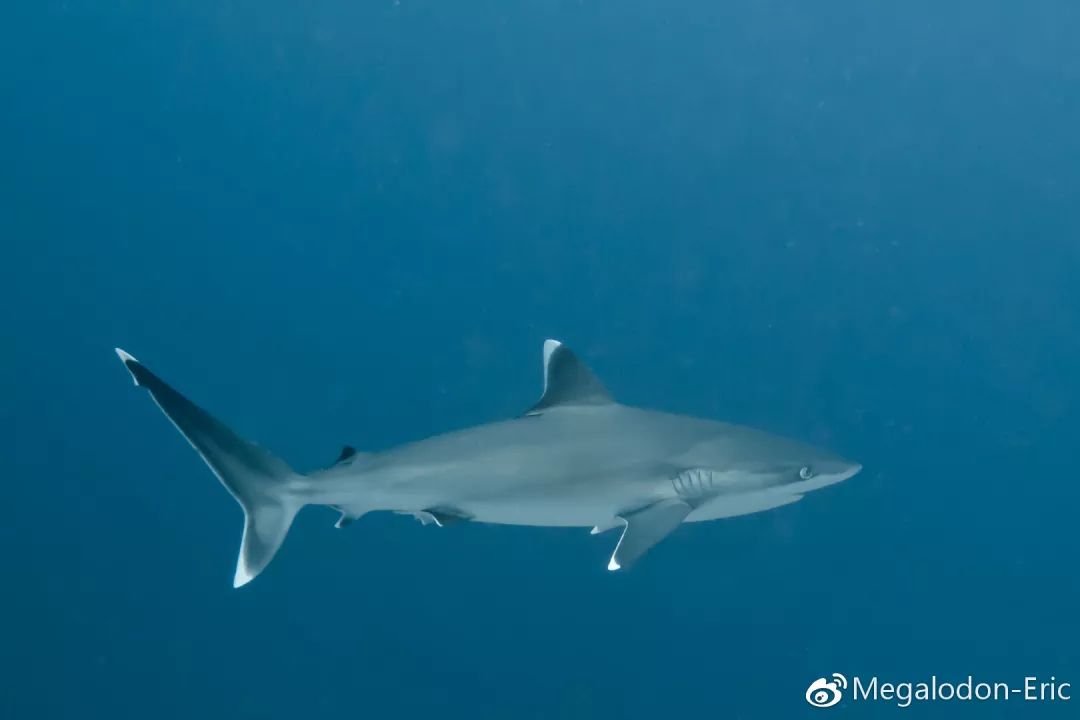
{"x": 333, "y": 223}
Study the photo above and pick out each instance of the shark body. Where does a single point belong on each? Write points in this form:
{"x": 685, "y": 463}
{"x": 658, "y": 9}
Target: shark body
{"x": 577, "y": 458}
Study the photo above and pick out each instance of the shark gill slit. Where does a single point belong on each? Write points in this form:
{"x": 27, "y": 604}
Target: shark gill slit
{"x": 694, "y": 484}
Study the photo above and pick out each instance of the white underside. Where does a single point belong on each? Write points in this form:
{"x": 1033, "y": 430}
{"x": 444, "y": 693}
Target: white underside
{"x": 585, "y": 504}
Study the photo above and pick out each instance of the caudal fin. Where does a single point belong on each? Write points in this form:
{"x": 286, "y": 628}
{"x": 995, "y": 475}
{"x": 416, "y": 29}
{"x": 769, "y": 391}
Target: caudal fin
{"x": 260, "y": 482}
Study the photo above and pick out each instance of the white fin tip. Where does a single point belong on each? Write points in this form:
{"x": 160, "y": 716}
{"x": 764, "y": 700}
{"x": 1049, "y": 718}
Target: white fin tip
{"x": 126, "y": 357}
{"x": 550, "y": 346}
{"x": 243, "y": 577}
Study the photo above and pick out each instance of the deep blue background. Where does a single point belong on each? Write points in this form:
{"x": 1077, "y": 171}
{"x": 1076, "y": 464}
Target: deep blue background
{"x": 355, "y": 222}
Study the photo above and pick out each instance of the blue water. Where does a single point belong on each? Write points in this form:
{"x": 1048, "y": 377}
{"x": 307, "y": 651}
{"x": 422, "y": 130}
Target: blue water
{"x": 338, "y": 222}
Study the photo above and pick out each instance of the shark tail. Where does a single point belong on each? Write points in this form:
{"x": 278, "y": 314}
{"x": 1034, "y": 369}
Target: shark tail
{"x": 264, "y": 485}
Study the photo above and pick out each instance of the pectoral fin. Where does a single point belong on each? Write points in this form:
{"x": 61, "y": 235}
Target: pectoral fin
{"x": 646, "y": 527}
{"x": 610, "y": 524}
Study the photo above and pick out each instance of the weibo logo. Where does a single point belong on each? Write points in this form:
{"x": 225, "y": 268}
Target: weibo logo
{"x": 824, "y": 693}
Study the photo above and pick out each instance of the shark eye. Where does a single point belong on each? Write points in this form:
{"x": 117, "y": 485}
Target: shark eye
{"x": 806, "y": 472}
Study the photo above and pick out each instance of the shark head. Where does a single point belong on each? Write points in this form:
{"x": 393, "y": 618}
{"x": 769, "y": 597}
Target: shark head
{"x": 740, "y": 459}
{"x": 798, "y": 466}
{"x": 820, "y": 471}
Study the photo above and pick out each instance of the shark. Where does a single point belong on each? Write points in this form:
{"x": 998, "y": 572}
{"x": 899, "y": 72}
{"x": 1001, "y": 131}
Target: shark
{"x": 576, "y": 458}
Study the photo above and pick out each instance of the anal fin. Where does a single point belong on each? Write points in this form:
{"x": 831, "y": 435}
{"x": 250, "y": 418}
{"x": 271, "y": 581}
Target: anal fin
{"x": 646, "y": 527}
{"x": 347, "y": 517}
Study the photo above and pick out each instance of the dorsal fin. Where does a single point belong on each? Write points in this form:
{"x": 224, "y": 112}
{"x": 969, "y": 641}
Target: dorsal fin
{"x": 567, "y": 380}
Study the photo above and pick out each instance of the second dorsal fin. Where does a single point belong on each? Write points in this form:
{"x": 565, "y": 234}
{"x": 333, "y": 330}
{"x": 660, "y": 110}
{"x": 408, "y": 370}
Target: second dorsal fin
{"x": 568, "y": 381}
{"x": 347, "y": 453}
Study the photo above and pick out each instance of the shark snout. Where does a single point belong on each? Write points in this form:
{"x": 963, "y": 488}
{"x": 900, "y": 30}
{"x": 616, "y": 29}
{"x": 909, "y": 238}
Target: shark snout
{"x": 828, "y": 472}
{"x": 851, "y": 471}
{"x": 841, "y": 470}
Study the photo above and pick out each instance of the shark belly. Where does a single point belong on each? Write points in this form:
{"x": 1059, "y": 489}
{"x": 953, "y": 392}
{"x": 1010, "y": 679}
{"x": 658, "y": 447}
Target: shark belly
{"x": 728, "y": 506}
{"x": 541, "y": 497}
{"x": 574, "y": 503}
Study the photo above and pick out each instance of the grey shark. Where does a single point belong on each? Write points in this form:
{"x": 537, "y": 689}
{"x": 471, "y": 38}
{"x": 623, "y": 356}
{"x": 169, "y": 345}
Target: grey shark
{"x": 577, "y": 458}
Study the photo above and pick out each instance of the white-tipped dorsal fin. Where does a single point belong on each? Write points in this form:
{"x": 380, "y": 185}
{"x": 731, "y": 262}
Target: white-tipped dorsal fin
{"x": 567, "y": 380}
